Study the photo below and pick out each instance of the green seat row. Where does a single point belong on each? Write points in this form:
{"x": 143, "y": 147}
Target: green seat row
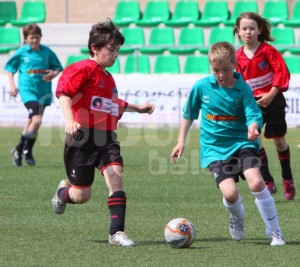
{"x": 33, "y": 11}
{"x": 194, "y": 64}
{"x": 191, "y": 39}
{"x": 214, "y": 12}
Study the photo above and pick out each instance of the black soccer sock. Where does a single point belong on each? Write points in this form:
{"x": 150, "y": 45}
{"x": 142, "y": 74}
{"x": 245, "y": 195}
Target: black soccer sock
{"x": 284, "y": 158}
{"x": 63, "y": 194}
{"x": 117, "y": 208}
{"x": 20, "y": 146}
{"x": 30, "y": 139}
{"x": 264, "y": 169}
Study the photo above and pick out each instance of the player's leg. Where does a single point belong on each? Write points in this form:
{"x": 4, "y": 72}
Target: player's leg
{"x": 36, "y": 112}
{"x": 250, "y": 164}
{"x": 284, "y": 157}
{"x": 117, "y": 206}
{"x": 276, "y": 128}
{"x": 17, "y": 151}
{"x": 226, "y": 176}
{"x": 80, "y": 171}
{"x": 264, "y": 169}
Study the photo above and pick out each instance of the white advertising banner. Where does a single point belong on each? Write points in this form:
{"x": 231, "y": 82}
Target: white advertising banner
{"x": 167, "y": 92}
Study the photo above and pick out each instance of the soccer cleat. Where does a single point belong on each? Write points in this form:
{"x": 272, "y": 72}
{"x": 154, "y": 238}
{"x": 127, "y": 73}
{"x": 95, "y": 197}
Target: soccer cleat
{"x": 120, "y": 239}
{"x": 271, "y": 187}
{"x": 236, "y": 227}
{"x": 276, "y": 239}
{"x": 27, "y": 155}
{"x": 57, "y": 205}
{"x": 289, "y": 189}
{"x": 16, "y": 157}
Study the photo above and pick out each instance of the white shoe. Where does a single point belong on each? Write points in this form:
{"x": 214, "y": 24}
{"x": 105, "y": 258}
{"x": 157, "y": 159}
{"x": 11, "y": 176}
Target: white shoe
{"x": 57, "y": 205}
{"x": 120, "y": 239}
{"x": 276, "y": 239}
{"x": 236, "y": 227}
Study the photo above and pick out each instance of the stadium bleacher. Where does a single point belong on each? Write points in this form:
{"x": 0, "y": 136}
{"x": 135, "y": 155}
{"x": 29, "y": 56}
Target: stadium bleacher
{"x": 190, "y": 30}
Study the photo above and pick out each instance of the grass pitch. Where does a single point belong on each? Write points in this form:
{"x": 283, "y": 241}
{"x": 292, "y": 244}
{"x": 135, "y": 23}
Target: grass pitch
{"x": 157, "y": 191}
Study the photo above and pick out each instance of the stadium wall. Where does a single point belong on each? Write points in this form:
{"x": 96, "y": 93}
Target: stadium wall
{"x": 167, "y": 92}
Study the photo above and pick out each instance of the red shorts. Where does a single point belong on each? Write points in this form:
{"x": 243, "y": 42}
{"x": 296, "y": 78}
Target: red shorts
{"x": 89, "y": 149}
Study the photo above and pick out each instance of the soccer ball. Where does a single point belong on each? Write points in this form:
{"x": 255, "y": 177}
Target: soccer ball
{"x": 180, "y": 233}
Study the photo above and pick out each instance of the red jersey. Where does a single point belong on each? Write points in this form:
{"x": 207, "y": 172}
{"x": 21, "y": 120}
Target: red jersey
{"x": 266, "y": 69}
{"x": 95, "y": 102}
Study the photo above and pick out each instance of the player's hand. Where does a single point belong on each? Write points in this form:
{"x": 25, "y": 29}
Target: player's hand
{"x": 265, "y": 100}
{"x": 49, "y": 76}
{"x": 146, "y": 108}
{"x": 253, "y": 134}
{"x": 71, "y": 127}
{"x": 176, "y": 152}
{"x": 14, "y": 91}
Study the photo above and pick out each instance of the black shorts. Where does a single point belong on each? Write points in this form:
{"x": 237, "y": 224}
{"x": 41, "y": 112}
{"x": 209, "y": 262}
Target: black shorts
{"x": 34, "y": 108}
{"x": 235, "y": 166}
{"x": 89, "y": 149}
{"x": 274, "y": 117}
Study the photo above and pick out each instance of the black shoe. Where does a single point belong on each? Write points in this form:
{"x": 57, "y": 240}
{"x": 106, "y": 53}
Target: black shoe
{"x": 16, "y": 157}
{"x": 27, "y": 155}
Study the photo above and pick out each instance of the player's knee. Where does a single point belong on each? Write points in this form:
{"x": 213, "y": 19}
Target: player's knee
{"x": 81, "y": 196}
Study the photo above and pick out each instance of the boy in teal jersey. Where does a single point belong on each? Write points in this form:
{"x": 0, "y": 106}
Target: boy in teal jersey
{"x": 37, "y": 66}
{"x": 230, "y": 127}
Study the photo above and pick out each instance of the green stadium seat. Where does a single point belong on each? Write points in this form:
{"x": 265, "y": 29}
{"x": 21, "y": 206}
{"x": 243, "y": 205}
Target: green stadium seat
{"x": 214, "y": 13}
{"x": 127, "y": 12}
{"x": 284, "y": 38}
{"x": 167, "y": 64}
{"x": 293, "y": 64}
{"x": 31, "y": 12}
{"x": 218, "y": 34}
{"x": 8, "y": 12}
{"x": 156, "y": 12}
{"x": 196, "y": 64}
{"x": 185, "y": 12}
{"x": 295, "y": 50}
{"x": 190, "y": 38}
{"x": 276, "y": 11}
{"x": 84, "y": 50}
{"x": 239, "y": 7}
{"x": 294, "y": 20}
{"x": 10, "y": 39}
{"x": 137, "y": 64}
{"x": 115, "y": 68}
{"x": 161, "y": 38}
{"x": 134, "y": 38}
{"x": 75, "y": 58}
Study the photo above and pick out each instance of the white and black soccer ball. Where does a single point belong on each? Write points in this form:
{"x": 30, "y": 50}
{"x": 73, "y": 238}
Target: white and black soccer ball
{"x": 180, "y": 233}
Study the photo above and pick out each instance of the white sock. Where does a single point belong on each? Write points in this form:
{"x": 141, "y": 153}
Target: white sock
{"x": 267, "y": 209}
{"x": 236, "y": 209}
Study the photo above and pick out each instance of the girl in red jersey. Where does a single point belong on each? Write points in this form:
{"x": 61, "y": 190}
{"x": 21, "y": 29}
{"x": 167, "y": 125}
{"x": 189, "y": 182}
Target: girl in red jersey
{"x": 264, "y": 69}
{"x": 89, "y": 100}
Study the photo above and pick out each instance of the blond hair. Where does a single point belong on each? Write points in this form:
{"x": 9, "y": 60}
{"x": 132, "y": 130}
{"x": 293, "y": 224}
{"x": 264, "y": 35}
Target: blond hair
{"x": 221, "y": 52}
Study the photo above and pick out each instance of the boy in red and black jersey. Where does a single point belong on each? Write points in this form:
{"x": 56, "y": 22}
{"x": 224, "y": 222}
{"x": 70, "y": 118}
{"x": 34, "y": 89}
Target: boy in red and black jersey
{"x": 89, "y": 100}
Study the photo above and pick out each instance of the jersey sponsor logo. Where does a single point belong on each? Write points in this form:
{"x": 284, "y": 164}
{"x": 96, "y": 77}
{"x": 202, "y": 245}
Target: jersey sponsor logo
{"x": 260, "y": 82}
{"x": 264, "y": 66}
{"x": 104, "y": 105}
{"x": 221, "y": 117}
{"x": 101, "y": 84}
{"x": 37, "y": 71}
{"x": 205, "y": 99}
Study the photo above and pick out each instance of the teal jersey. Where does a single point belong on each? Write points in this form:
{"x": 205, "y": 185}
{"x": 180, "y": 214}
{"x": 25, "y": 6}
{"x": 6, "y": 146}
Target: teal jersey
{"x": 225, "y": 116}
{"x": 32, "y": 66}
